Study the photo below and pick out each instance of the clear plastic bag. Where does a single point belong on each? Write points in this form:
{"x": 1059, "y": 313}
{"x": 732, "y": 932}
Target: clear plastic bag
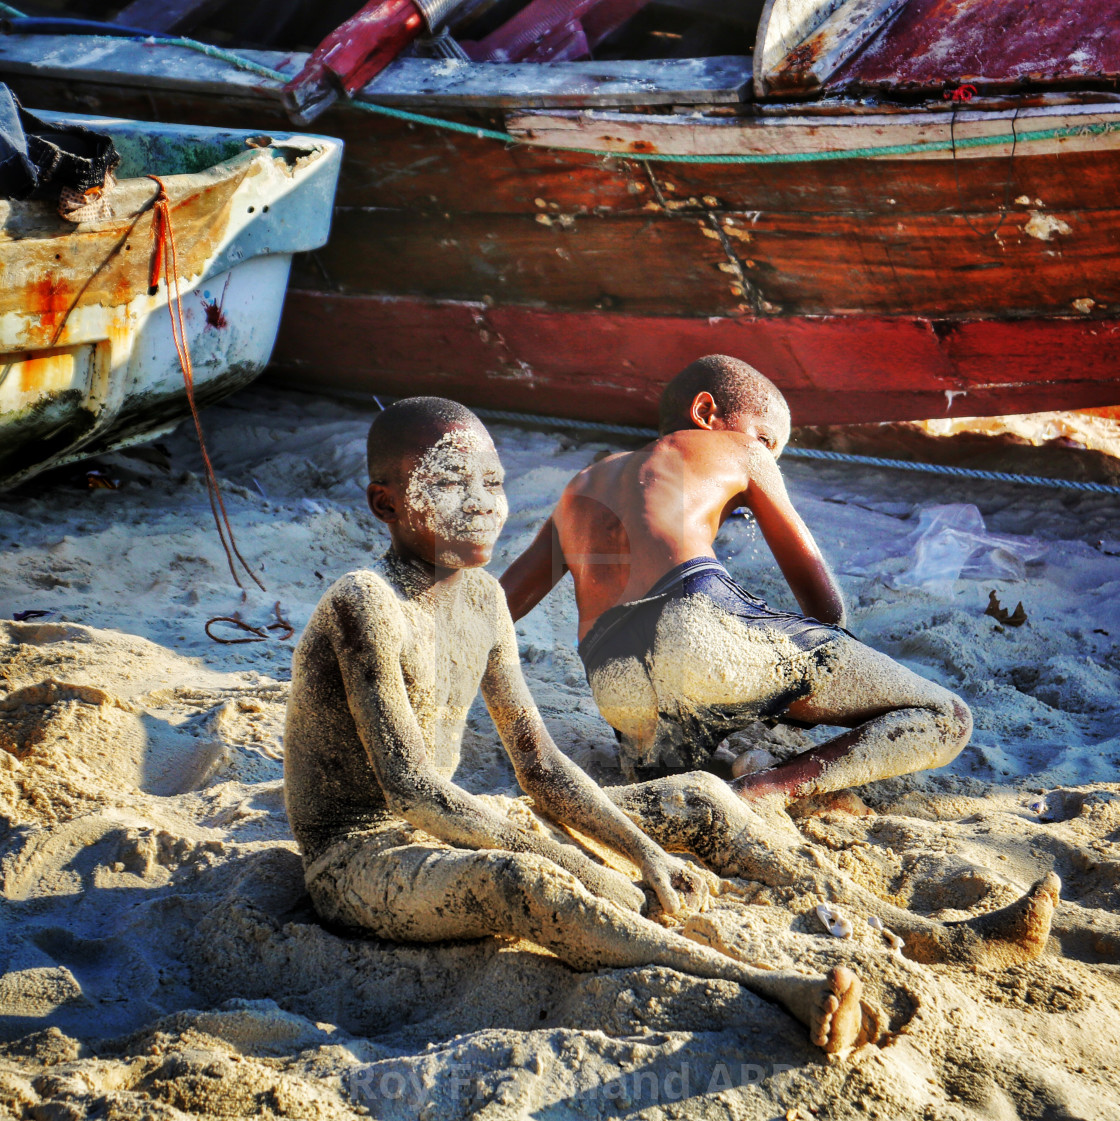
{"x": 951, "y": 542}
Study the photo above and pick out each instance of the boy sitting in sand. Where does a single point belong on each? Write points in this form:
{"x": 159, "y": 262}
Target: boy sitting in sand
{"x": 678, "y": 656}
{"x": 381, "y": 683}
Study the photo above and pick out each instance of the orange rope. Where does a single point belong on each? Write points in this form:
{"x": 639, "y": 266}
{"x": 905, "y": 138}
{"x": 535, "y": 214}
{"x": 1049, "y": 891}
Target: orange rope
{"x": 164, "y": 260}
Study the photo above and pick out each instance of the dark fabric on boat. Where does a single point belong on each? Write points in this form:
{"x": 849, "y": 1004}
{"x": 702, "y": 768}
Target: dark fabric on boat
{"x": 38, "y": 159}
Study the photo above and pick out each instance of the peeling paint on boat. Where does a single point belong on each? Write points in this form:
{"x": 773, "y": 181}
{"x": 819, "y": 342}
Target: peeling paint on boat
{"x": 1045, "y": 226}
{"x": 87, "y": 358}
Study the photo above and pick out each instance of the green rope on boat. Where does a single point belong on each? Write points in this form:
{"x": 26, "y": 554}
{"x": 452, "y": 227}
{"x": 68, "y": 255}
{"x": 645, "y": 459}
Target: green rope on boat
{"x": 367, "y": 106}
{"x": 15, "y": 13}
{"x": 757, "y": 157}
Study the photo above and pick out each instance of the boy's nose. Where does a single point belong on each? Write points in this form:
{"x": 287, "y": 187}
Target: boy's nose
{"x": 479, "y": 501}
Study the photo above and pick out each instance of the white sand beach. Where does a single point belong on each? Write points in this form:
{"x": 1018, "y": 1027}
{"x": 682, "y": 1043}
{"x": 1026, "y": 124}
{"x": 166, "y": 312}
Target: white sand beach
{"x": 160, "y": 958}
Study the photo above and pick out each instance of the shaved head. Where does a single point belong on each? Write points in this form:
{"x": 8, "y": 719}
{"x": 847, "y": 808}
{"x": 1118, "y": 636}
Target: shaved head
{"x": 735, "y": 387}
{"x": 409, "y": 428}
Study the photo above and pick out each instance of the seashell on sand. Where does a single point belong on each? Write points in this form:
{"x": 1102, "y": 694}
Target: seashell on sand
{"x": 834, "y": 920}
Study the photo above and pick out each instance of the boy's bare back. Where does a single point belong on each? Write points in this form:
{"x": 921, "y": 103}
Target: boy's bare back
{"x": 624, "y": 522}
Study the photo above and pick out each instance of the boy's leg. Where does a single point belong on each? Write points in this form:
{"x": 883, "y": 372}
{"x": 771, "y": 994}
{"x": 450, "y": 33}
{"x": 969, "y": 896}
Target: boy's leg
{"x": 698, "y": 813}
{"x": 900, "y": 723}
{"x": 425, "y": 893}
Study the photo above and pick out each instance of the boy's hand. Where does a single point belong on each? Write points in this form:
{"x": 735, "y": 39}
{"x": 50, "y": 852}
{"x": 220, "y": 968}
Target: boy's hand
{"x": 597, "y": 878}
{"x": 676, "y": 883}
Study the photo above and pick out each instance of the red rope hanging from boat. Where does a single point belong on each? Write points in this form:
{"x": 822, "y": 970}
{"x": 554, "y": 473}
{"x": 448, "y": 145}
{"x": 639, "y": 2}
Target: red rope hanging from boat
{"x": 165, "y": 261}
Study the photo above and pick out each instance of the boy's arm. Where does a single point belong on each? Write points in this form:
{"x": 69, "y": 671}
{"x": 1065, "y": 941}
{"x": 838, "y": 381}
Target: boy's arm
{"x": 561, "y": 789}
{"x": 367, "y": 642}
{"x": 535, "y": 573}
{"x": 802, "y": 564}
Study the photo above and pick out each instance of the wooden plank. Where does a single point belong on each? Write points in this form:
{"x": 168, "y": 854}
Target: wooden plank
{"x": 894, "y": 189}
{"x": 781, "y": 27}
{"x": 991, "y": 43}
{"x": 820, "y": 54}
{"x": 168, "y": 15}
{"x": 630, "y": 262}
{"x": 146, "y": 65}
{"x": 391, "y": 165}
{"x": 663, "y": 81}
{"x": 430, "y": 83}
{"x": 782, "y": 133}
{"x": 611, "y": 367}
{"x": 1033, "y": 262}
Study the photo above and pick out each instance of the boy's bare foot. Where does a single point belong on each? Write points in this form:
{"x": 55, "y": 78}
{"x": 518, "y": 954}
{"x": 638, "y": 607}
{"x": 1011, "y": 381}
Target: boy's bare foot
{"x": 1013, "y": 934}
{"x": 831, "y": 1007}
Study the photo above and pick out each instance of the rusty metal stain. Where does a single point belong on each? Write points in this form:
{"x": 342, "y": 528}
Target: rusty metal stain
{"x": 38, "y": 374}
{"x": 935, "y": 42}
{"x": 107, "y": 263}
{"x": 801, "y": 57}
{"x": 49, "y": 298}
{"x": 30, "y": 375}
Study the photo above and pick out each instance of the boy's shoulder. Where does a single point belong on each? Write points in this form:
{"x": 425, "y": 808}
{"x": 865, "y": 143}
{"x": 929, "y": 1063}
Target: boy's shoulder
{"x": 361, "y": 582}
{"x": 363, "y": 592}
{"x": 483, "y": 589}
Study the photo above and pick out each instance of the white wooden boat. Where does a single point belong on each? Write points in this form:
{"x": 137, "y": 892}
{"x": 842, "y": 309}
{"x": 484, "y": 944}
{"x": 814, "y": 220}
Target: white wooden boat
{"x": 87, "y": 357}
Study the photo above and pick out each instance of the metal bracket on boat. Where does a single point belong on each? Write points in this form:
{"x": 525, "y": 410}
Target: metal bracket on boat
{"x": 442, "y": 45}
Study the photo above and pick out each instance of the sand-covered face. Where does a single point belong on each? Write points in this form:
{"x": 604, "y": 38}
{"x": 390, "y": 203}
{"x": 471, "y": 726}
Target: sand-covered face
{"x": 455, "y": 504}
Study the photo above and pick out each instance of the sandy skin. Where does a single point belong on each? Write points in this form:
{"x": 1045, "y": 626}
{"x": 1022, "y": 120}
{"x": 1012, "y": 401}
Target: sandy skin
{"x": 381, "y": 683}
{"x": 698, "y": 813}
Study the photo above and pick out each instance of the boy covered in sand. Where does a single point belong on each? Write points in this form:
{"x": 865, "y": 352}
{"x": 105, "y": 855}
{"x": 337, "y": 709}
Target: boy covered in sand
{"x": 678, "y": 655}
{"x": 381, "y": 683}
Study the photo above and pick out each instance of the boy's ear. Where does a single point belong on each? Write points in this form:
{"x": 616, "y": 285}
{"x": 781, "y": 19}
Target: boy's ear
{"x": 382, "y": 502}
{"x": 704, "y": 410}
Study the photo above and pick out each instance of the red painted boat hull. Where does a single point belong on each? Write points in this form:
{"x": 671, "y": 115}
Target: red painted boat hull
{"x": 611, "y": 366}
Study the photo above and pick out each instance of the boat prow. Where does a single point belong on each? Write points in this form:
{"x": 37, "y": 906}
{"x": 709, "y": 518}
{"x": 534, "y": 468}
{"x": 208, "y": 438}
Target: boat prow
{"x": 88, "y": 361}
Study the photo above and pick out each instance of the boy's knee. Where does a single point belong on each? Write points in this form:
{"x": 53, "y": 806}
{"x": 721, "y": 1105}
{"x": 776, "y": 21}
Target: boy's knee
{"x": 703, "y": 787}
{"x": 527, "y": 877}
{"x": 956, "y": 728}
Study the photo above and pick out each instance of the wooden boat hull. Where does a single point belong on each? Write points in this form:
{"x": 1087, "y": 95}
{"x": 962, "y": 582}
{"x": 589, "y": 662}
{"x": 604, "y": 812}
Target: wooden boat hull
{"x": 961, "y": 281}
{"x": 88, "y": 361}
{"x": 610, "y": 367}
